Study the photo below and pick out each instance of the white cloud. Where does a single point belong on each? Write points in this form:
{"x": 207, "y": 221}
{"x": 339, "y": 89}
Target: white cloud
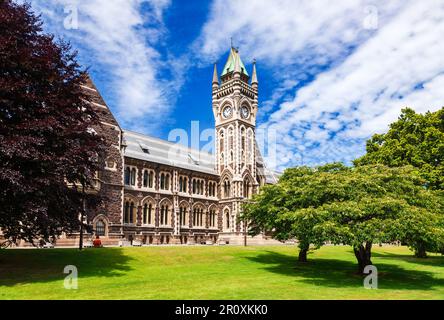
{"x": 119, "y": 37}
{"x": 276, "y": 31}
{"x": 362, "y": 78}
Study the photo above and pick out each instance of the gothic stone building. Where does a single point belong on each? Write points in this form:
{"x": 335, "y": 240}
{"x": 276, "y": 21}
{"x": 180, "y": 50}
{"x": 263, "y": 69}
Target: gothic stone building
{"x": 158, "y": 192}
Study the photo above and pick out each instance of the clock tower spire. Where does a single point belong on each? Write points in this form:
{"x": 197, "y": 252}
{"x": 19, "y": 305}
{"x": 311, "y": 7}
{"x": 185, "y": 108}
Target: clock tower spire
{"x": 235, "y": 104}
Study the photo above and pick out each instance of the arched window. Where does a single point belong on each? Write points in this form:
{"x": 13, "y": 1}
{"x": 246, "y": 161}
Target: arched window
{"x": 147, "y": 213}
{"x": 222, "y": 159}
{"x": 198, "y": 217}
{"x": 210, "y": 189}
{"x": 162, "y": 181}
{"x": 246, "y": 189}
{"x": 230, "y": 139}
{"x": 202, "y": 218}
{"x": 243, "y": 146}
{"x": 151, "y": 179}
{"x": 131, "y": 217}
{"x": 100, "y": 228}
{"x": 227, "y": 189}
{"x": 212, "y": 218}
{"x": 243, "y": 139}
{"x": 194, "y": 186}
{"x": 162, "y": 208}
{"x": 164, "y": 215}
{"x": 127, "y": 176}
{"x": 126, "y": 214}
{"x": 167, "y": 182}
{"x": 221, "y": 141}
{"x": 183, "y": 216}
{"x": 129, "y": 212}
{"x": 185, "y": 182}
{"x": 133, "y": 176}
{"x": 202, "y": 187}
{"x": 180, "y": 184}
{"x": 227, "y": 220}
{"x": 250, "y": 147}
{"x": 145, "y": 178}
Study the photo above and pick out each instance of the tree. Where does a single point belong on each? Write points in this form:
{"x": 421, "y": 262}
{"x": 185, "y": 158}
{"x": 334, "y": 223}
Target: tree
{"x": 276, "y": 208}
{"x": 377, "y": 204}
{"x": 414, "y": 139}
{"x": 351, "y": 206}
{"x": 48, "y": 150}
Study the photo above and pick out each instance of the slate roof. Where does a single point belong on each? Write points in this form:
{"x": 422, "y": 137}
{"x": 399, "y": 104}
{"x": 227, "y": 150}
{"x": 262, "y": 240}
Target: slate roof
{"x": 143, "y": 147}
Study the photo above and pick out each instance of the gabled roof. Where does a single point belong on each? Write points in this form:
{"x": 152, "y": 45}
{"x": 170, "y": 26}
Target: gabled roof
{"x": 143, "y": 147}
{"x": 230, "y": 65}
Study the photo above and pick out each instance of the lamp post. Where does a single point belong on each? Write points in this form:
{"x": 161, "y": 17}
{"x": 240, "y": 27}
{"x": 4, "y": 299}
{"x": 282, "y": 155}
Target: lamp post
{"x": 81, "y": 217}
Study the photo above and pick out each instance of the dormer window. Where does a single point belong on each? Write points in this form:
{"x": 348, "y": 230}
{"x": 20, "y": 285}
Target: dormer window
{"x": 193, "y": 159}
{"x": 144, "y": 148}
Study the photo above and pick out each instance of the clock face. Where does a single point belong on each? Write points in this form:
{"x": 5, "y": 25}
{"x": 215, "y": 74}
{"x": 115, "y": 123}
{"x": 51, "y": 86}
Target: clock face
{"x": 227, "y": 112}
{"x": 245, "y": 113}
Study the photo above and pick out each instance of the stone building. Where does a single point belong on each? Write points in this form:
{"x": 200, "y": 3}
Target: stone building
{"x": 159, "y": 192}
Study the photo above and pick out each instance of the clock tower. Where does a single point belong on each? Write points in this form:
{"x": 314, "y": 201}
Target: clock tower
{"x": 235, "y": 104}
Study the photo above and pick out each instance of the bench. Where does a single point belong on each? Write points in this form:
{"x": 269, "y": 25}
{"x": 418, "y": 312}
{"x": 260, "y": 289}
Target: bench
{"x": 137, "y": 243}
{"x": 88, "y": 244}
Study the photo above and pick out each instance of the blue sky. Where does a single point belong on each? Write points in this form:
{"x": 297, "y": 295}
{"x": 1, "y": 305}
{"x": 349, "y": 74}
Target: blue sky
{"x": 331, "y": 74}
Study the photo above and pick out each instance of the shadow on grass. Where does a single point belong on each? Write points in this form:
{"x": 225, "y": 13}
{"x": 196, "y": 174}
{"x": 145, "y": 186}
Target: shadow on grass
{"x": 433, "y": 260}
{"x": 20, "y": 266}
{"x": 342, "y": 273}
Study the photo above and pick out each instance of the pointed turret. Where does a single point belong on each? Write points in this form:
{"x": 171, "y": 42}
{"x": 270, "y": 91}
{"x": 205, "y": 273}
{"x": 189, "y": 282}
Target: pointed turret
{"x": 234, "y": 65}
{"x": 215, "y": 78}
{"x": 254, "y": 81}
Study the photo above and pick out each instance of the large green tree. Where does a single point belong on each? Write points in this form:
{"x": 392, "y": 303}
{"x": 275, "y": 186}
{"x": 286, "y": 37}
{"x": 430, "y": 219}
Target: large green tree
{"x": 357, "y": 206}
{"x": 276, "y": 208}
{"x": 48, "y": 152}
{"x": 415, "y": 139}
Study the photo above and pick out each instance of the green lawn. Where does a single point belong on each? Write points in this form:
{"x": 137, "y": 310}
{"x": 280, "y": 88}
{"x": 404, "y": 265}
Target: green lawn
{"x": 216, "y": 273}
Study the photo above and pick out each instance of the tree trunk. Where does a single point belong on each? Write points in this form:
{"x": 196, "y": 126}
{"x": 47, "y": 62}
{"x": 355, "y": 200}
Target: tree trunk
{"x": 81, "y": 234}
{"x": 303, "y": 249}
{"x": 420, "y": 251}
{"x": 363, "y": 254}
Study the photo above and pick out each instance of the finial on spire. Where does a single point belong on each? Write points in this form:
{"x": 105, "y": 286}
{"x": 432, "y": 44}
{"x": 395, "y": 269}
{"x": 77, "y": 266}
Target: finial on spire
{"x": 215, "y": 77}
{"x": 254, "y": 74}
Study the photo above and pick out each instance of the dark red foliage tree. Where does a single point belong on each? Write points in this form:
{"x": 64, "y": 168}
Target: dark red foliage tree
{"x": 48, "y": 152}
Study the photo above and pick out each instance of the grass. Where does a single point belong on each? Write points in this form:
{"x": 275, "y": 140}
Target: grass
{"x": 217, "y": 273}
